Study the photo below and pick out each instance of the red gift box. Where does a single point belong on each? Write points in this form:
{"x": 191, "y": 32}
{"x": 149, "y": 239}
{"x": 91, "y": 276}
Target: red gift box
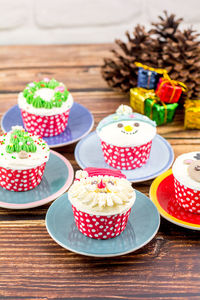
{"x": 168, "y": 91}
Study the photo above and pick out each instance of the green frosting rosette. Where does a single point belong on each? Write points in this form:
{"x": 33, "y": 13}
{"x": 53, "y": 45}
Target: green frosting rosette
{"x": 59, "y": 93}
{"x": 20, "y": 141}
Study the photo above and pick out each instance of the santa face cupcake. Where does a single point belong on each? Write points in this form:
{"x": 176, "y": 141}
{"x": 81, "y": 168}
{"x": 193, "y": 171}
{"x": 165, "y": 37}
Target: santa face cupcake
{"x": 186, "y": 171}
{"x": 45, "y": 107}
{"x": 101, "y": 203}
{"x": 126, "y": 138}
{"x": 23, "y": 158}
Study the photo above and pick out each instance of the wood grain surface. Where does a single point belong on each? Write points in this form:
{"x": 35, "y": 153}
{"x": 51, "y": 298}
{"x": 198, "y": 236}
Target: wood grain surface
{"x": 32, "y": 265}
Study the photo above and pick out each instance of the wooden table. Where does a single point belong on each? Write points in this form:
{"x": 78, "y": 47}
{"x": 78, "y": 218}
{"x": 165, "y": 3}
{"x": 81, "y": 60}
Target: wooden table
{"x": 32, "y": 265}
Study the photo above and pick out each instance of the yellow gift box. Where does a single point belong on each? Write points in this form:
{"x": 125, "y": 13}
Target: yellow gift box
{"x": 192, "y": 114}
{"x": 138, "y": 96}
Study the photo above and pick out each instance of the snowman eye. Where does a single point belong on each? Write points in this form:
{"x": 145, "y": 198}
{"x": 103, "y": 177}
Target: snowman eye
{"x": 111, "y": 182}
{"x": 136, "y": 124}
{"x": 120, "y": 125}
{"x": 94, "y": 182}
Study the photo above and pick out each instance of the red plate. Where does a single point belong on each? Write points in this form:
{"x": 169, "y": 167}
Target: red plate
{"x": 162, "y": 194}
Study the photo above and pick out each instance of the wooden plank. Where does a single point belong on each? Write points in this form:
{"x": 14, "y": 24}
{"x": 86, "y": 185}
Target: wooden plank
{"x": 65, "y": 274}
{"x": 53, "y": 56}
{"x": 76, "y": 79}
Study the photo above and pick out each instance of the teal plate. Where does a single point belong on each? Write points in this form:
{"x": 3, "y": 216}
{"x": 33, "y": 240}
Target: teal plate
{"x": 58, "y": 176}
{"x": 142, "y": 226}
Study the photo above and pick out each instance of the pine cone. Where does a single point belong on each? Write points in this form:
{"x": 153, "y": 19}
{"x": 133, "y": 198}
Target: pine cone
{"x": 164, "y": 46}
{"x": 182, "y": 58}
{"x": 121, "y": 72}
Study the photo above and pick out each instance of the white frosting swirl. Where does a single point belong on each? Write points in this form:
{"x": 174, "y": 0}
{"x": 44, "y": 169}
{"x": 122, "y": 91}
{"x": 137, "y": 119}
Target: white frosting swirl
{"x": 13, "y": 161}
{"x": 103, "y": 195}
{"x": 22, "y": 103}
{"x": 124, "y": 110}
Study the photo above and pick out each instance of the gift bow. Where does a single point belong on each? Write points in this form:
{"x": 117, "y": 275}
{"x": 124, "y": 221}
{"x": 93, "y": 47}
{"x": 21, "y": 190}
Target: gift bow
{"x": 150, "y": 94}
{"x": 159, "y": 71}
{"x": 174, "y": 83}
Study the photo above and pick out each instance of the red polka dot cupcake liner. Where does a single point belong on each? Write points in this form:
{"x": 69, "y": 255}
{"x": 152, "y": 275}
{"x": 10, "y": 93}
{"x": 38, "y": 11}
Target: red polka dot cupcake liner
{"x": 21, "y": 180}
{"x": 100, "y": 227}
{"x": 45, "y": 126}
{"x": 187, "y": 198}
{"x": 126, "y": 158}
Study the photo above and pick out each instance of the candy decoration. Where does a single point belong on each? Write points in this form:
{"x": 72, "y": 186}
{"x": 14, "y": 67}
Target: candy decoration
{"x": 23, "y": 154}
{"x": 101, "y": 185}
{"x": 103, "y": 171}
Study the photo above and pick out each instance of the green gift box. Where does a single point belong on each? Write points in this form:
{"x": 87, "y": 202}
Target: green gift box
{"x": 160, "y": 112}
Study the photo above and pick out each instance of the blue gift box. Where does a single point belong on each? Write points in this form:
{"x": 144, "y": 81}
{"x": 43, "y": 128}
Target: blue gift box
{"x": 148, "y": 79}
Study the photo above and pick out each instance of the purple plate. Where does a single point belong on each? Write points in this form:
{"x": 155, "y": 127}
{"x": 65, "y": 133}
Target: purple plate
{"x": 80, "y": 123}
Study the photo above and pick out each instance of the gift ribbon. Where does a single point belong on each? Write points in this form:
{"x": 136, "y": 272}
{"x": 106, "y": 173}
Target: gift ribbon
{"x": 159, "y": 71}
{"x": 174, "y": 83}
{"x": 157, "y": 100}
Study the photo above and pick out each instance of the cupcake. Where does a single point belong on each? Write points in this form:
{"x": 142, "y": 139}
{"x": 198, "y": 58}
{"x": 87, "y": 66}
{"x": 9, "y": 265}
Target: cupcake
{"x": 186, "y": 172}
{"x": 101, "y": 202}
{"x": 126, "y": 138}
{"x": 23, "y": 158}
{"x": 45, "y": 107}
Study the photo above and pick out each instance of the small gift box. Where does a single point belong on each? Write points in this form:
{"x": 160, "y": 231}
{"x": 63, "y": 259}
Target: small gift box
{"x": 192, "y": 114}
{"x": 148, "y": 77}
{"x": 138, "y": 96}
{"x": 169, "y": 91}
{"x": 160, "y": 112}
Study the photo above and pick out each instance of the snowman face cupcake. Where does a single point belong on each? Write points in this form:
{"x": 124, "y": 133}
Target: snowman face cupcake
{"x": 126, "y": 138}
{"x": 128, "y": 133}
{"x": 186, "y": 171}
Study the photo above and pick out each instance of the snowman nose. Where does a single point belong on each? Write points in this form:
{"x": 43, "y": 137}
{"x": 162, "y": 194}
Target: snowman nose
{"x": 128, "y": 128}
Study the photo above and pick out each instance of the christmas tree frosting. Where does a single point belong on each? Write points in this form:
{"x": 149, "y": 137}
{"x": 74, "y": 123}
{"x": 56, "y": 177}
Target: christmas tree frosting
{"x": 20, "y": 141}
{"x": 60, "y": 93}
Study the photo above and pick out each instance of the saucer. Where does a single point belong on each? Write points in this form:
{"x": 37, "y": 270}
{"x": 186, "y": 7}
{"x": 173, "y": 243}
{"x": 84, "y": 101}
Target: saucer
{"x": 58, "y": 176}
{"x": 88, "y": 153}
{"x": 143, "y": 224}
{"x": 80, "y": 123}
{"x": 162, "y": 194}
